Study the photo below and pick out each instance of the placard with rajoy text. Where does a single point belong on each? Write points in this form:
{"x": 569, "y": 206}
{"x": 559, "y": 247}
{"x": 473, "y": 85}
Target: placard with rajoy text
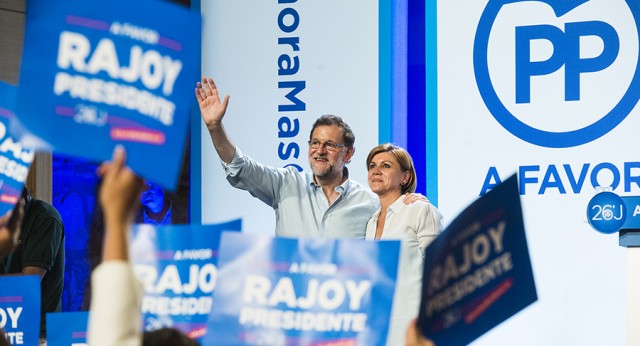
{"x": 285, "y": 291}
{"x": 100, "y": 73}
{"x": 477, "y": 273}
{"x": 178, "y": 268}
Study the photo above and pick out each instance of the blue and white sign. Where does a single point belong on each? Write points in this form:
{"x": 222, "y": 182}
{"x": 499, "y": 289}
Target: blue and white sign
{"x": 20, "y": 308}
{"x": 282, "y": 291}
{"x": 178, "y": 267}
{"x": 15, "y": 158}
{"x": 606, "y": 212}
{"x": 609, "y": 213}
{"x": 585, "y": 49}
{"x": 477, "y": 273}
{"x": 67, "y": 328}
{"x": 103, "y": 74}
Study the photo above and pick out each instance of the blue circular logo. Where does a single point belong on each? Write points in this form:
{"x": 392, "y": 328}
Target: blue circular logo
{"x": 528, "y": 133}
{"x": 606, "y": 212}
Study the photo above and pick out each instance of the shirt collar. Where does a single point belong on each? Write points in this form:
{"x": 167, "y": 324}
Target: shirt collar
{"x": 392, "y": 208}
{"x": 165, "y": 220}
{"x": 397, "y": 204}
{"x": 342, "y": 188}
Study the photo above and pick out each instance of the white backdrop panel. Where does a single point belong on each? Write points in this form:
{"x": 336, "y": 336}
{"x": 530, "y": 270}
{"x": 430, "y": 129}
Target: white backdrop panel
{"x": 338, "y": 61}
{"x": 580, "y": 274}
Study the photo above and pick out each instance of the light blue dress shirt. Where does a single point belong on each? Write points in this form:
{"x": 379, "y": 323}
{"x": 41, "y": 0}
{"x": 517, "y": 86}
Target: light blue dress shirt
{"x": 302, "y": 209}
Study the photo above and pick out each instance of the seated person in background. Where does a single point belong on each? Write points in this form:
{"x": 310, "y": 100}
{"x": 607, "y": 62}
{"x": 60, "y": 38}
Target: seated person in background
{"x": 160, "y": 207}
{"x": 115, "y": 317}
{"x": 40, "y": 251}
{"x": 157, "y": 208}
{"x": 391, "y": 175}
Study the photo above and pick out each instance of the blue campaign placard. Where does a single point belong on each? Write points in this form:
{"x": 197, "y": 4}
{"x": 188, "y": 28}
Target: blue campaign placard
{"x": 67, "y": 328}
{"x": 20, "y": 308}
{"x": 15, "y": 159}
{"x": 178, "y": 267}
{"x": 284, "y": 291}
{"x": 100, "y": 73}
{"x": 477, "y": 273}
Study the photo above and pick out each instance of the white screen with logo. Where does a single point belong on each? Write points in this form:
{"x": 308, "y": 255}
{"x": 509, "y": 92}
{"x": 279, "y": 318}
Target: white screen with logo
{"x": 550, "y": 93}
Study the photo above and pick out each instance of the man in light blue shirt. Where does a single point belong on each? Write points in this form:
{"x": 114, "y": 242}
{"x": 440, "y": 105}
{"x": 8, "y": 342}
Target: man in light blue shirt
{"x": 325, "y": 204}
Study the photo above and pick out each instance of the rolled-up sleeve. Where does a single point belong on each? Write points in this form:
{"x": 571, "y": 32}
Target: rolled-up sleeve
{"x": 233, "y": 168}
{"x": 261, "y": 181}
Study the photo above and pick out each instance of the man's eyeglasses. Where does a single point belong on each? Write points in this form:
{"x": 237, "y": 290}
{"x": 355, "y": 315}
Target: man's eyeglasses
{"x": 329, "y": 146}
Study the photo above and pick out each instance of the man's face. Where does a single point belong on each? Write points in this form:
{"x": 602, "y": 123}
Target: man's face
{"x": 326, "y": 161}
{"x": 152, "y": 197}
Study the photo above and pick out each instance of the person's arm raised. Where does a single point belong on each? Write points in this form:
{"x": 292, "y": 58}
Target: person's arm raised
{"x": 212, "y": 111}
{"x": 118, "y": 198}
{"x": 115, "y": 317}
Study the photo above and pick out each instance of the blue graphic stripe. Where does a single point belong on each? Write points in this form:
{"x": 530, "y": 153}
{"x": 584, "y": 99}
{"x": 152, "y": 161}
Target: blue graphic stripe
{"x": 384, "y": 71}
{"x": 416, "y": 102}
{"x": 431, "y": 96}
{"x": 195, "y": 168}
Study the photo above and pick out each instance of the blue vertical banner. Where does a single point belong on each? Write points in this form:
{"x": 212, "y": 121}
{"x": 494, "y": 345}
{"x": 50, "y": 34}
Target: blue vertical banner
{"x": 285, "y": 291}
{"x": 15, "y": 159}
{"x": 477, "y": 273}
{"x": 20, "y": 308}
{"x": 177, "y": 266}
{"x": 111, "y": 72}
{"x": 67, "y": 328}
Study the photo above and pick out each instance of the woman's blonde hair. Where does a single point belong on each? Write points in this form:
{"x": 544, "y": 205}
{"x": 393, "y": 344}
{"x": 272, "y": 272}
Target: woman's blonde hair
{"x": 405, "y": 161}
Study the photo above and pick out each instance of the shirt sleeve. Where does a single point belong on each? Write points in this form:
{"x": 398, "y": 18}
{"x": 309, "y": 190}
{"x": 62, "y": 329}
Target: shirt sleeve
{"x": 42, "y": 243}
{"x": 429, "y": 225}
{"x": 115, "y": 317}
{"x": 261, "y": 181}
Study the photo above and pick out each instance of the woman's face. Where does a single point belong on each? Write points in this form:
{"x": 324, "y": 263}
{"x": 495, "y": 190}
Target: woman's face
{"x": 386, "y": 175}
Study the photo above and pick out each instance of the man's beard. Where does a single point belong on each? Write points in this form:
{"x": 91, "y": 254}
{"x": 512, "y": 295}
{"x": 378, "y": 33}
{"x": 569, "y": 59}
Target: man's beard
{"x": 321, "y": 172}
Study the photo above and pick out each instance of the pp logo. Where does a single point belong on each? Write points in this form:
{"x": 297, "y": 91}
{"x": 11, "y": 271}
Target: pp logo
{"x": 606, "y": 212}
{"x": 558, "y": 73}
